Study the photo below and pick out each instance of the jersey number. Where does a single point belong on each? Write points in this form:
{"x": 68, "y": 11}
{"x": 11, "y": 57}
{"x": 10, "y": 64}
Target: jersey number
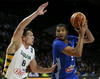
{"x": 23, "y": 63}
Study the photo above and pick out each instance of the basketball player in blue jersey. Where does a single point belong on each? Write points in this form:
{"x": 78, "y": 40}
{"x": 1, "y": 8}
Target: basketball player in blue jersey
{"x": 66, "y": 48}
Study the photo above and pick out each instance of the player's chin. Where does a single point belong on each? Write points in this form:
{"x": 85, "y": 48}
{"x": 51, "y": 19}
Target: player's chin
{"x": 31, "y": 43}
{"x": 61, "y": 38}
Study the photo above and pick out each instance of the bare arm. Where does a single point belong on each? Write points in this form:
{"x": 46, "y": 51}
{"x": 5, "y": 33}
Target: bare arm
{"x": 37, "y": 69}
{"x": 16, "y": 39}
{"x": 89, "y": 38}
{"x": 20, "y": 28}
{"x": 77, "y": 51}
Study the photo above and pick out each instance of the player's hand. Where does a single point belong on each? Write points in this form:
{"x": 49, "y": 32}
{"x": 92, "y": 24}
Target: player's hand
{"x": 41, "y": 10}
{"x": 85, "y": 25}
{"x": 82, "y": 29}
{"x": 52, "y": 68}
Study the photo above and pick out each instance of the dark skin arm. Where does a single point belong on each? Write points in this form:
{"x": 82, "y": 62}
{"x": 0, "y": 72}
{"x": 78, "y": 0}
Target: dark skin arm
{"x": 88, "y": 38}
{"x": 77, "y": 51}
{"x": 85, "y": 36}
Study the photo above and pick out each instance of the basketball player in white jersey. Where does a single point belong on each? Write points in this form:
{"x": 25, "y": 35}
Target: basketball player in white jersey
{"x": 20, "y": 54}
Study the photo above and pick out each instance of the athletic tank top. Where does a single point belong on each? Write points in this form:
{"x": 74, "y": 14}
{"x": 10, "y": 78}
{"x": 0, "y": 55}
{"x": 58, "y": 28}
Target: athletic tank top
{"x": 66, "y": 67}
{"x": 15, "y": 66}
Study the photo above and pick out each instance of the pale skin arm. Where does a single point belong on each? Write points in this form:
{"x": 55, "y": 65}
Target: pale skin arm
{"x": 16, "y": 38}
{"x": 77, "y": 51}
{"x": 37, "y": 69}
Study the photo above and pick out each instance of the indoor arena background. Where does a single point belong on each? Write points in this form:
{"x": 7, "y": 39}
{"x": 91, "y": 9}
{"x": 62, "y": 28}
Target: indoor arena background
{"x": 59, "y": 11}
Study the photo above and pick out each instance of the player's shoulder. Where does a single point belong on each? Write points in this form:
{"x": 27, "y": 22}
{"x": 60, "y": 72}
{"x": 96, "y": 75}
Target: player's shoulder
{"x": 31, "y": 49}
{"x": 71, "y": 36}
{"x": 57, "y": 42}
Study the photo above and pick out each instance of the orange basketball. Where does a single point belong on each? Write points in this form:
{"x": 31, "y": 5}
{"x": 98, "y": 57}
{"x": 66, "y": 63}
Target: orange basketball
{"x": 77, "y": 19}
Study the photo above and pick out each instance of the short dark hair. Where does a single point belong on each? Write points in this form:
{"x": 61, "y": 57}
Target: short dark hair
{"x": 25, "y": 31}
{"x": 62, "y": 25}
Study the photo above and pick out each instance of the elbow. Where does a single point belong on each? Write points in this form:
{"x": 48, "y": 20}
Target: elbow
{"x": 78, "y": 54}
{"x": 91, "y": 41}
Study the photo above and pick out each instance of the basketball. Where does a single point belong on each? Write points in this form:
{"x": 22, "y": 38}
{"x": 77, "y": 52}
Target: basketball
{"x": 77, "y": 19}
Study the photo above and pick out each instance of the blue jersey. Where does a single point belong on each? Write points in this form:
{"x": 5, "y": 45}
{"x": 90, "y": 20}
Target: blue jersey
{"x": 65, "y": 63}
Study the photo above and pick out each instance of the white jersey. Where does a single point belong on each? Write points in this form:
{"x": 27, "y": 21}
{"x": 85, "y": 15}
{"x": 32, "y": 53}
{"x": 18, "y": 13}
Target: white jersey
{"x": 19, "y": 63}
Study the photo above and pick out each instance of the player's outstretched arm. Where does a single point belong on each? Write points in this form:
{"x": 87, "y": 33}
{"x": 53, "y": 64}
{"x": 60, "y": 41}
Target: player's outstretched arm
{"x": 16, "y": 39}
{"x": 19, "y": 30}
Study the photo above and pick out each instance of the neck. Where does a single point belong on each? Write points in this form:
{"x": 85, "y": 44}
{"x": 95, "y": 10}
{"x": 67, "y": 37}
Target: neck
{"x": 65, "y": 41}
{"x": 25, "y": 45}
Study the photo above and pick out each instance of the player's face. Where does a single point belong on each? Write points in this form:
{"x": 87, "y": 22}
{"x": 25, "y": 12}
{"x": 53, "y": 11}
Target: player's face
{"x": 61, "y": 32}
{"x": 29, "y": 38}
